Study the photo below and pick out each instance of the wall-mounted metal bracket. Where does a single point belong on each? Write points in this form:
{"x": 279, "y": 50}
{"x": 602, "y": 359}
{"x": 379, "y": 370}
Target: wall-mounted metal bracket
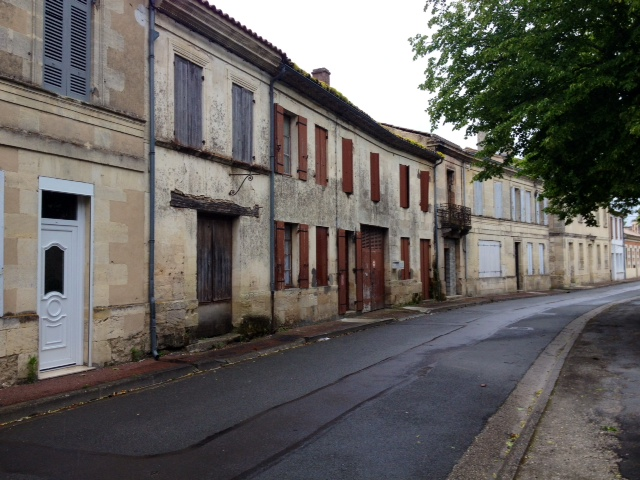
{"x": 247, "y": 176}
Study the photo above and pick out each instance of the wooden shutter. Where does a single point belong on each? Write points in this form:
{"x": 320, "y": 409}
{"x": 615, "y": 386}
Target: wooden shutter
{"x": 343, "y": 276}
{"x": 279, "y": 256}
{"x": 513, "y": 204}
{"x": 205, "y": 260}
{"x": 67, "y": 29}
{"x": 375, "y": 177}
{"x": 187, "y": 103}
{"x": 497, "y": 199}
{"x": 478, "y": 198}
{"x": 321, "y": 156}
{"x": 322, "y": 257}
{"x": 303, "y": 235}
{"x": 279, "y": 140}
{"x": 359, "y": 273}
{"x": 523, "y": 212}
{"x": 302, "y": 149}
{"x": 425, "y": 178}
{"x": 347, "y": 165}
{"x": 404, "y": 186}
{"x": 405, "y": 253}
{"x": 242, "y": 124}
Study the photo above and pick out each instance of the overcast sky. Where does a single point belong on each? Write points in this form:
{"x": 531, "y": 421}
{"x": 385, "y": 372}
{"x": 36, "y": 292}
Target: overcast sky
{"x": 363, "y": 44}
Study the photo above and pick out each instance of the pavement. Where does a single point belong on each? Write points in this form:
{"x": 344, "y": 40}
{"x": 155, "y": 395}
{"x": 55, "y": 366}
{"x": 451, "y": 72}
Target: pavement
{"x": 605, "y": 433}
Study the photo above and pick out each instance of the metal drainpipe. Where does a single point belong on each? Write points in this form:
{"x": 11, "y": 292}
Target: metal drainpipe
{"x": 435, "y": 213}
{"x": 464, "y": 204}
{"x": 272, "y": 195}
{"x": 152, "y": 181}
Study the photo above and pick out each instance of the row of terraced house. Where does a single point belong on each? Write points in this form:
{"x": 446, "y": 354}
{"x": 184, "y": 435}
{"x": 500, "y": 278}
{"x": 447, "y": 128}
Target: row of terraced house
{"x": 167, "y": 174}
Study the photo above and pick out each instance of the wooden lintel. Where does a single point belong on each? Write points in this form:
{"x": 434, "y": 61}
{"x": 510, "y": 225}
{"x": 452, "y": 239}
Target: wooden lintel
{"x": 211, "y": 205}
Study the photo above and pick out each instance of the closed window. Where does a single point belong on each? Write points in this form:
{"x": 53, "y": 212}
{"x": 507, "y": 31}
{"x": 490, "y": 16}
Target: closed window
{"x": 478, "y": 198}
{"x": 375, "y": 176}
{"x": 404, "y": 186}
{"x": 66, "y": 45}
{"x": 347, "y": 165}
{"x": 529, "y": 258}
{"x": 527, "y": 207}
{"x": 405, "y": 256}
{"x": 322, "y": 173}
{"x": 322, "y": 256}
{"x": 489, "y": 258}
{"x": 425, "y": 179}
{"x": 497, "y": 199}
{"x": 516, "y": 204}
{"x": 284, "y": 255}
{"x": 541, "y": 258}
{"x": 242, "y": 124}
{"x": 187, "y": 103}
{"x": 581, "y": 256}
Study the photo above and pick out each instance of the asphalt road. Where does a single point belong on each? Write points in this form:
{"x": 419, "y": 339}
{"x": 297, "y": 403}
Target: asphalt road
{"x": 400, "y": 401}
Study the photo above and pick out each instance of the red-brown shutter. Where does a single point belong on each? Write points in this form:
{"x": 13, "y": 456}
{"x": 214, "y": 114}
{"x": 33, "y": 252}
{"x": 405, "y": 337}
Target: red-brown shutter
{"x": 303, "y": 276}
{"x": 375, "y": 177}
{"x": 279, "y": 134}
{"x": 405, "y": 256}
{"x": 347, "y": 165}
{"x": 321, "y": 156}
{"x": 425, "y": 178}
{"x": 343, "y": 276}
{"x": 279, "y": 256}
{"x": 322, "y": 257}
{"x": 302, "y": 149}
{"x": 359, "y": 273}
{"x": 404, "y": 186}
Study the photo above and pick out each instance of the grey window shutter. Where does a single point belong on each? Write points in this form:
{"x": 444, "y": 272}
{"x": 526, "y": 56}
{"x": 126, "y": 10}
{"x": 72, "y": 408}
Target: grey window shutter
{"x": 54, "y": 68}
{"x": 79, "y": 48}
{"x": 67, "y": 39}
{"x": 513, "y": 203}
{"x": 479, "y": 198}
{"x": 242, "y": 123}
{"x": 187, "y": 103}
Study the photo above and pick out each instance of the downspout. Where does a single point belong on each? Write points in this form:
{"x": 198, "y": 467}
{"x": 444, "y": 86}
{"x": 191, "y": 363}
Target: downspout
{"x": 466, "y": 237}
{"x": 153, "y": 35}
{"x": 272, "y": 195}
{"x": 435, "y": 216}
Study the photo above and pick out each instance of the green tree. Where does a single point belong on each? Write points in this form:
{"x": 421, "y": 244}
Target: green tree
{"x": 554, "y": 84}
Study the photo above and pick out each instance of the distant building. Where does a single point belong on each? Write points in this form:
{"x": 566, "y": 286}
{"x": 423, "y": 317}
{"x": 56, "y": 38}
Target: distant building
{"x": 632, "y": 250}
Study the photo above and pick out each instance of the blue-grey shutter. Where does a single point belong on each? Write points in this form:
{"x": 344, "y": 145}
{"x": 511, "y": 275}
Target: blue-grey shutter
{"x": 497, "y": 199}
{"x": 242, "y": 123}
{"x": 513, "y": 204}
{"x": 478, "y": 197}
{"x": 67, "y": 29}
{"x": 523, "y": 212}
{"x": 187, "y": 103}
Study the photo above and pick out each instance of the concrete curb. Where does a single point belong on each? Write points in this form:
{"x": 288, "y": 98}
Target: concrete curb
{"x": 499, "y": 449}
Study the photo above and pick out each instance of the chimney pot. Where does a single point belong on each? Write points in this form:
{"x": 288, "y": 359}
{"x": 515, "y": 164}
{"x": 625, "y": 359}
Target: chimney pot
{"x": 321, "y": 74}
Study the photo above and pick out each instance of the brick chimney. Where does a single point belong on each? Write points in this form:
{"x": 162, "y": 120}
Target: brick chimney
{"x": 322, "y": 74}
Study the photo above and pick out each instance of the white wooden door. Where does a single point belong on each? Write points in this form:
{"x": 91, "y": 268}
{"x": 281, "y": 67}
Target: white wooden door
{"x": 61, "y": 322}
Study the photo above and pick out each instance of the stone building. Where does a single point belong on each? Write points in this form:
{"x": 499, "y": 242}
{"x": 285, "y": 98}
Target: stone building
{"x": 580, "y": 254}
{"x": 73, "y": 185}
{"x": 616, "y": 236}
{"x": 277, "y": 198}
{"x": 632, "y": 250}
{"x": 492, "y": 235}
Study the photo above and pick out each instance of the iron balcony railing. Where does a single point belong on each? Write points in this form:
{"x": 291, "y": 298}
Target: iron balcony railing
{"x": 454, "y": 217}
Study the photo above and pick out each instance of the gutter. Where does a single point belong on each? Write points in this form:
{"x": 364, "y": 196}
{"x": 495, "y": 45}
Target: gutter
{"x": 153, "y": 35}
{"x": 272, "y": 194}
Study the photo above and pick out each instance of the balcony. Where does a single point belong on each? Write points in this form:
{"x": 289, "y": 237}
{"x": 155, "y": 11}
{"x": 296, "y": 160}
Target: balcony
{"x": 454, "y": 220}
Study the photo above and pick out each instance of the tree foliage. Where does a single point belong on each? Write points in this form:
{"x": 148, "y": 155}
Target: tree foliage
{"x": 554, "y": 85}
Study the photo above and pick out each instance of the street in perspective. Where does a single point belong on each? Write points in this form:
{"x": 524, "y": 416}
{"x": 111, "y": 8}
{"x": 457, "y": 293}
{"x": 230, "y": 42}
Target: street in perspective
{"x": 466, "y": 393}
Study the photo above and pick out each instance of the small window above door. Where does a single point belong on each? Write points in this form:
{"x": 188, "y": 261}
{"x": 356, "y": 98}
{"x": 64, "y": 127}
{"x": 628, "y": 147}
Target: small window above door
{"x": 59, "y": 206}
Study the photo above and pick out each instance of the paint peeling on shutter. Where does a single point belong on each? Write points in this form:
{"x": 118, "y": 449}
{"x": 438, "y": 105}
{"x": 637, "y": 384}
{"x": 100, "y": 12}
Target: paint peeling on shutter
{"x": 242, "y": 124}
{"x": 279, "y": 256}
{"x": 303, "y": 277}
{"x": 375, "y": 176}
{"x": 187, "y": 103}
{"x": 279, "y": 140}
{"x": 302, "y": 149}
{"x": 425, "y": 178}
{"x": 347, "y": 165}
{"x": 359, "y": 273}
{"x": 404, "y": 186}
